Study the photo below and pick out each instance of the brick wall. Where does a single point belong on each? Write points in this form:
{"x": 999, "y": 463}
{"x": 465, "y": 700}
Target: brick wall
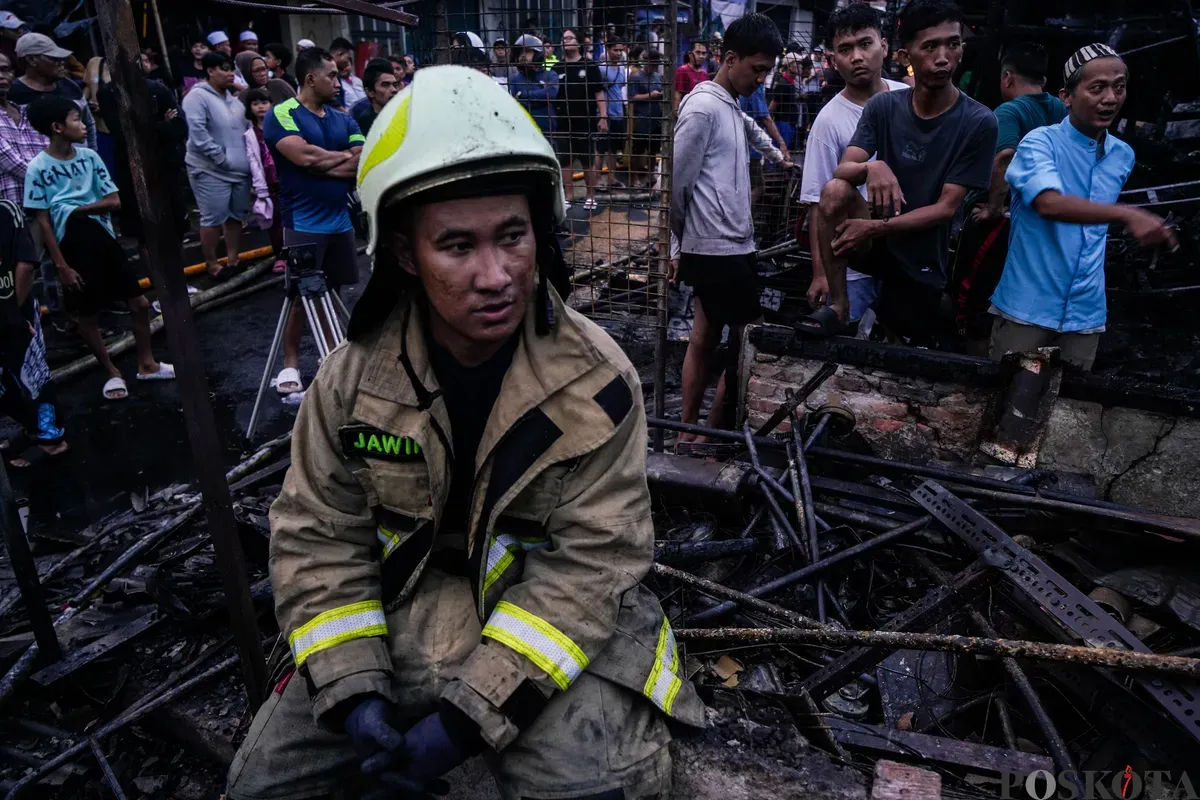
{"x": 1135, "y": 457}
{"x": 901, "y": 416}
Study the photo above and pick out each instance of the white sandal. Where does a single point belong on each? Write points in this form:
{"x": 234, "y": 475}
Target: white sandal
{"x": 115, "y": 385}
{"x": 166, "y": 372}
{"x": 289, "y": 376}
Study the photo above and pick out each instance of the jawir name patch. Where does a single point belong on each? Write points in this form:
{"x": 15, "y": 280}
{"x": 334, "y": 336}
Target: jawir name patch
{"x": 368, "y": 442}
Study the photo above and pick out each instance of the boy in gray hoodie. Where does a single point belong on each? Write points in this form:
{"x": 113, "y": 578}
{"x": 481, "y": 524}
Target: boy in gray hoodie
{"x": 710, "y": 203}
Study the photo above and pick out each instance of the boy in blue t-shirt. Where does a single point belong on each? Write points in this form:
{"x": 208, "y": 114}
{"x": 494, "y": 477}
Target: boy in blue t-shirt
{"x": 316, "y": 149}
{"x": 69, "y": 189}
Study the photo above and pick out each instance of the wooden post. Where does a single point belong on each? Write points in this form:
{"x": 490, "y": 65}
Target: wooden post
{"x": 25, "y": 571}
{"x": 166, "y": 263}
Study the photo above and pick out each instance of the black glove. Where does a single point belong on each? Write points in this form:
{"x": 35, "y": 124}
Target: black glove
{"x": 379, "y": 744}
{"x": 432, "y": 747}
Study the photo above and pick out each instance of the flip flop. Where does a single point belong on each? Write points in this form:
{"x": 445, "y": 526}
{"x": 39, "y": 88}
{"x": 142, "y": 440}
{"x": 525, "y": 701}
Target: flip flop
{"x": 166, "y": 372}
{"x": 289, "y": 375}
{"x": 34, "y": 455}
{"x": 821, "y": 324}
{"x": 226, "y": 272}
{"x": 115, "y": 385}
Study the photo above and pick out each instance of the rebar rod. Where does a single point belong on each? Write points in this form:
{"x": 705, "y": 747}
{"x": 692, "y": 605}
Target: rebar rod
{"x": 820, "y": 427}
{"x": 109, "y": 777}
{"x": 811, "y": 570}
{"x": 780, "y": 519}
{"x": 1107, "y": 657}
{"x": 800, "y": 467}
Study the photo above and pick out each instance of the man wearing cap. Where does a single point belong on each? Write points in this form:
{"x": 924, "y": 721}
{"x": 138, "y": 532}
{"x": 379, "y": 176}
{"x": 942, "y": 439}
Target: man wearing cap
{"x": 1065, "y": 180}
{"x": 502, "y": 69}
{"x": 458, "y": 549}
{"x": 46, "y": 73}
{"x": 12, "y": 28}
{"x": 248, "y": 41}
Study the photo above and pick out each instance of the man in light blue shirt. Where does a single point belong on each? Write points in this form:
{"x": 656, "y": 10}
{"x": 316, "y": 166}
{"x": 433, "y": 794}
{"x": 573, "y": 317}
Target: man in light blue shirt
{"x": 1065, "y": 181}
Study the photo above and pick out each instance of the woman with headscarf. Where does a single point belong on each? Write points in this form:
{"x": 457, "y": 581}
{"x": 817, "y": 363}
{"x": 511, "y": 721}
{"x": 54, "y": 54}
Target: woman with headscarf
{"x": 254, "y": 68}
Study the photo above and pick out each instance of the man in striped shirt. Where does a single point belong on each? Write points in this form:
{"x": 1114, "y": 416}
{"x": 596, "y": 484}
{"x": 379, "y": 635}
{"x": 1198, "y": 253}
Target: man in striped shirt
{"x": 19, "y": 142}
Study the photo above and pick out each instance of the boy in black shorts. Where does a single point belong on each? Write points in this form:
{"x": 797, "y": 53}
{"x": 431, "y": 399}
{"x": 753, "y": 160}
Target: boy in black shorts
{"x": 710, "y": 203}
{"x": 73, "y": 196}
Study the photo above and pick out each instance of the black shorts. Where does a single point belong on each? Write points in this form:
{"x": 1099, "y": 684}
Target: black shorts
{"x": 337, "y": 254}
{"x": 574, "y": 140}
{"x": 613, "y": 141}
{"x": 93, "y": 252}
{"x": 647, "y": 137}
{"x": 726, "y": 286}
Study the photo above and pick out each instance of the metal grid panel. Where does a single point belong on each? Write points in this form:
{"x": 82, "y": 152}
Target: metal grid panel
{"x": 617, "y": 180}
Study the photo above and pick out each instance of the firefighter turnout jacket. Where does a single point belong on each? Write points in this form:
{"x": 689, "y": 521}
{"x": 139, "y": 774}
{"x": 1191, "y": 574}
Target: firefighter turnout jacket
{"x": 559, "y": 536}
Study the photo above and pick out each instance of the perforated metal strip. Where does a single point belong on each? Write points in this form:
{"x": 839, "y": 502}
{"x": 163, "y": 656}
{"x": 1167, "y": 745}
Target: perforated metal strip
{"x": 1053, "y": 593}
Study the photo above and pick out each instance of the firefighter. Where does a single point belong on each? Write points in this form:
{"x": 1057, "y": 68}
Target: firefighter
{"x": 458, "y": 547}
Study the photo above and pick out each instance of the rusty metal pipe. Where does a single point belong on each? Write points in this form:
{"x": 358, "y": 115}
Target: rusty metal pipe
{"x": 1107, "y": 657}
{"x": 719, "y": 590}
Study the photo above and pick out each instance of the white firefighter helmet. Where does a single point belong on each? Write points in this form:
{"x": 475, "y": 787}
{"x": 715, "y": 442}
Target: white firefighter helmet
{"x": 450, "y": 124}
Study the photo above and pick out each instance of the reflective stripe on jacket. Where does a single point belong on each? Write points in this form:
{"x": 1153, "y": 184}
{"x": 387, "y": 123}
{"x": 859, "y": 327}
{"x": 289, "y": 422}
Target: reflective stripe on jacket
{"x": 560, "y": 537}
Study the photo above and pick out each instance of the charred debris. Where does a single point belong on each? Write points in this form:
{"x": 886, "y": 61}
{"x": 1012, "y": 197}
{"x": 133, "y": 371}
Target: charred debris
{"x": 832, "y": 605}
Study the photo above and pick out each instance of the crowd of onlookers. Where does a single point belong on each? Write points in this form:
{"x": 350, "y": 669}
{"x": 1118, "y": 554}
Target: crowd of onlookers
{"x": 270, "y": 137}
{"x": 261, "y": 146}
{"x": 891, "y": 170}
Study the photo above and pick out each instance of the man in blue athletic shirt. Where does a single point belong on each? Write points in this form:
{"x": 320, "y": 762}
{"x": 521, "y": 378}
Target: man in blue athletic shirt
{"x": 316, "y": 151}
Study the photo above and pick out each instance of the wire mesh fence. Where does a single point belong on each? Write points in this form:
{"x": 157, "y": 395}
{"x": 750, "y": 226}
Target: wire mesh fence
{"x": 596, "y": 81}
{"x": 604, "y": 81}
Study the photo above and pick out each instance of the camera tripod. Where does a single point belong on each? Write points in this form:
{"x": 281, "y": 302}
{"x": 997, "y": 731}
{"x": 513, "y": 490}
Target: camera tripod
{"x": 324, "y": 310}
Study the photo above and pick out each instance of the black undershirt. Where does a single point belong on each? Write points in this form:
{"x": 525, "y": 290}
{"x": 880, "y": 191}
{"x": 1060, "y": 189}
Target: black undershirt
{"x": 469, "y": 394}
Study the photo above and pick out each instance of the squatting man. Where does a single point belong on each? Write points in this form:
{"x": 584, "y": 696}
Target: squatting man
{"x": 457, "y": 550}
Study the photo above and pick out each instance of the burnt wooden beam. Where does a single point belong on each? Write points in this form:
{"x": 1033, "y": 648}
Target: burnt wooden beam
{"x": 926, "y": 749}
{"x": 163, "y": 242}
